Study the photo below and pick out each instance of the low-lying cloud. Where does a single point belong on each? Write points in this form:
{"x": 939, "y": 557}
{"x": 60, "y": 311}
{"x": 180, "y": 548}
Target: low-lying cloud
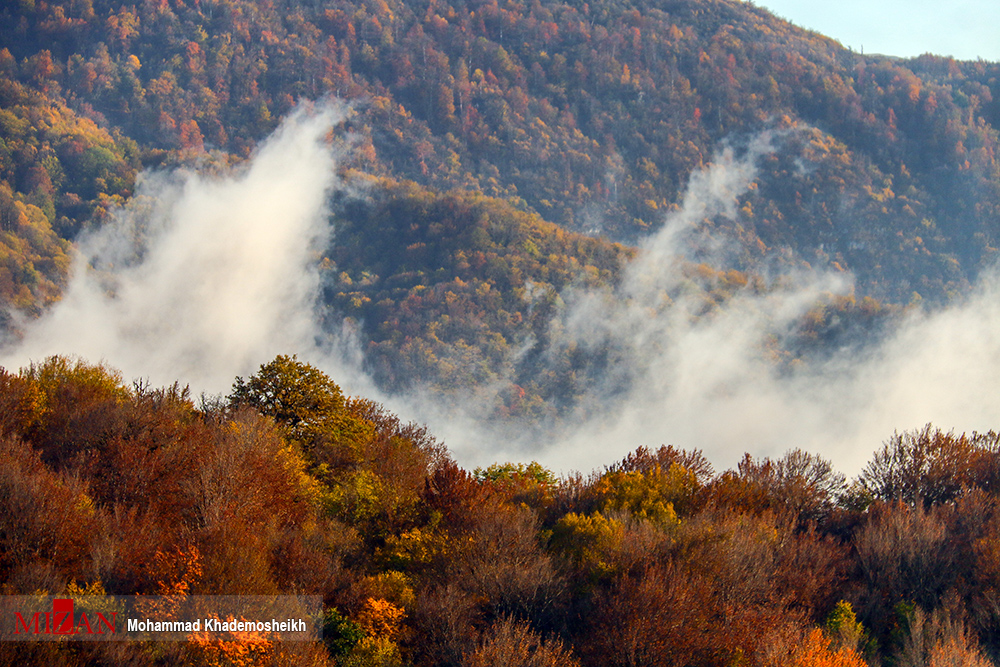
{"x": 708, "y": 379}
{"x": 204, "y": 277}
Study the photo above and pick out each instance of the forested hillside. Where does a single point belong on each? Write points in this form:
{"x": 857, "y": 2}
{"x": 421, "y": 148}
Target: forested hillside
{"x": 288, "y": 486}
{"x": 592, "y": 115}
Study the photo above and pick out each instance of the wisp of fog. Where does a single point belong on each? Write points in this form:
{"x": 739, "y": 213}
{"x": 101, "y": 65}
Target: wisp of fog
{"x": 204, "y": 276}
{"x": 708, "y": 379}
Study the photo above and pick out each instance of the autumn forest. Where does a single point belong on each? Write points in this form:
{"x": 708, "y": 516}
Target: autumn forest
{"x": 502, "y": 169}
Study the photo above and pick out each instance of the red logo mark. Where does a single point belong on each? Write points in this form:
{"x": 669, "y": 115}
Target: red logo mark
{"x": 63, "y": 621}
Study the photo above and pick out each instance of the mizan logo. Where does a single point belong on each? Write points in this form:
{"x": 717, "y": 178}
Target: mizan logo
{"x": 62, "y": 621}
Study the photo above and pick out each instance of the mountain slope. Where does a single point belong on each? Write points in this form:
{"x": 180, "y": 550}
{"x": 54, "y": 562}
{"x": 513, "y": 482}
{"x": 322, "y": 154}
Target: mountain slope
{"x": 593, "y": 115}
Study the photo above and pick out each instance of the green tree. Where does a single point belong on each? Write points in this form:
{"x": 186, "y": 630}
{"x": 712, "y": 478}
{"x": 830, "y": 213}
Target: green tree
{"x": 293, "y": 392}
{"x": 310, "y": 406}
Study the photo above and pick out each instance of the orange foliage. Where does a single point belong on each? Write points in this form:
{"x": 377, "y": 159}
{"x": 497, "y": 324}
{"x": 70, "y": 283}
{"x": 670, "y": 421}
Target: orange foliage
{"x": 816, "y": 651}
{"x": 239, "y": 649}
{"x": 380, "y": 618}
{"x": 173, "y": 573}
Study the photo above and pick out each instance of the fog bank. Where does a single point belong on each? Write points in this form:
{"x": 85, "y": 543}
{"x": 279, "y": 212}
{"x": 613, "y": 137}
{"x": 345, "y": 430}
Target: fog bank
{"x": 202, "y": 278}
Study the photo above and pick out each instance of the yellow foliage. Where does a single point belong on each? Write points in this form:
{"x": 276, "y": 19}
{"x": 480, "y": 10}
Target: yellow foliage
{"x": 374, "y": 652}
{"x": 588, "y": 540}
{"x": 393, "y": 586}
{"x": 73, "y": 589}
{"x": 414, "y": 548}
{"x": 357, "y": 497}
{"x": 649, "y": 496}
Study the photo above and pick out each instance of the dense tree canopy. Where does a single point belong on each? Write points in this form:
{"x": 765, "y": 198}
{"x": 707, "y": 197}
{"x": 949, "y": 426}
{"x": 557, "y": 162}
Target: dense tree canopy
{"x": 658, "y": 560}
